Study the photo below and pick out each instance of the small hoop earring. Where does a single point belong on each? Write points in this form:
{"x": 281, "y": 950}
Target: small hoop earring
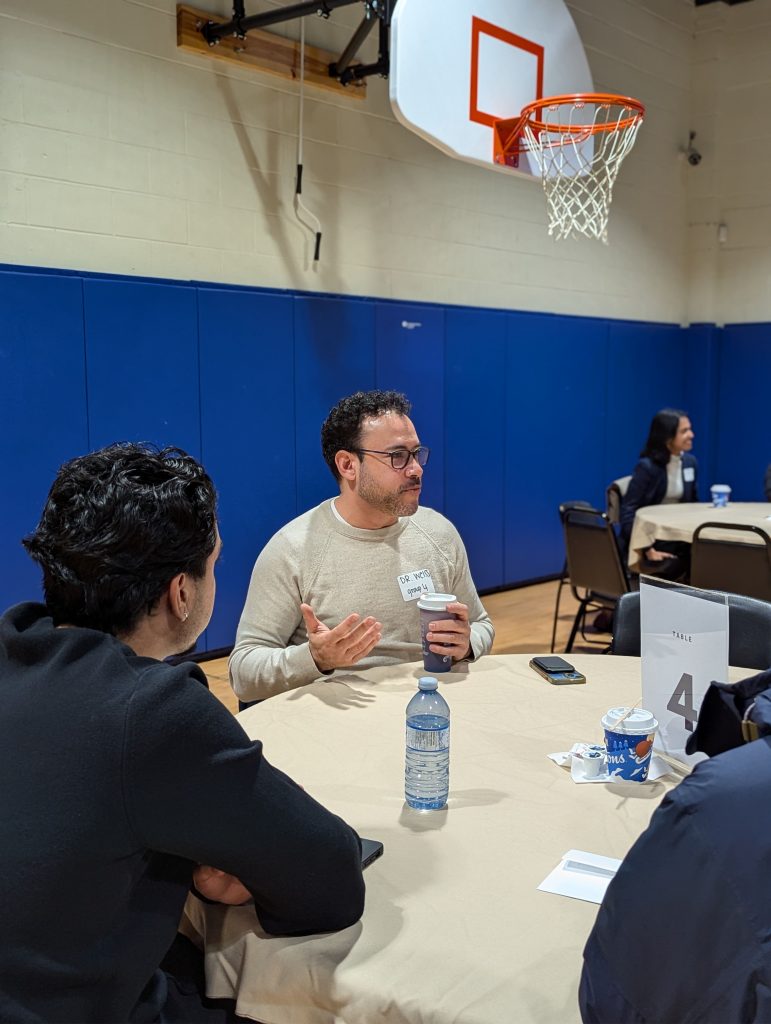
{"x": 184, "y": 617}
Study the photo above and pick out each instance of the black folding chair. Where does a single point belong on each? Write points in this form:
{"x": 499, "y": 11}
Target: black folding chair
{"x": 564, "y": 574}
{"x": 734, "y": 566}
{"x": 749, "y": 629}
{"x": 595, "y": 569}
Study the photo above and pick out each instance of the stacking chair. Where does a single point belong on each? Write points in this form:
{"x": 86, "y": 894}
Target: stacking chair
{"x": 749, "y": 629}
{"x": 564, "y": 574}
{"x": 734, "y": 566}
{"x": 614, "y": 492}
{"x": 595, "y": 570}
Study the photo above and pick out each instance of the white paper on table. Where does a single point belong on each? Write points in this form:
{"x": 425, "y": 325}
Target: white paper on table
{"x": 564, "y": 758}
{"x": 582, "y": 876}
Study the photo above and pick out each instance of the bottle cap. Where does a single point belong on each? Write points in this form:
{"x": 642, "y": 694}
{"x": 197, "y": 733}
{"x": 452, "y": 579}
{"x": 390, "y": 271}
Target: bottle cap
{"x": 428, "y": 683}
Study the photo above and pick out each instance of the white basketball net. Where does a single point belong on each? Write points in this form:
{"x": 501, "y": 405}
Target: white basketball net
{"x": 579, "y": 168}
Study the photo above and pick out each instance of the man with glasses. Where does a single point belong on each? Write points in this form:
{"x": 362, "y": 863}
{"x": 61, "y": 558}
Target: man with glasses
{"x": 337, "y": 586}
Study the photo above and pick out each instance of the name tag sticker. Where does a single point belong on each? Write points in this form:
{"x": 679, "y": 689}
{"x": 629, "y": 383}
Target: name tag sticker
{"x": 688, "y": 474}
{"x": 413, "y": 584}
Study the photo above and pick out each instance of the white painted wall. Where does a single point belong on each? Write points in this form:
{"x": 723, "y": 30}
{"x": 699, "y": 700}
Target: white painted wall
{"x": 730, "y": 281}
{"x": 121, "y": 154}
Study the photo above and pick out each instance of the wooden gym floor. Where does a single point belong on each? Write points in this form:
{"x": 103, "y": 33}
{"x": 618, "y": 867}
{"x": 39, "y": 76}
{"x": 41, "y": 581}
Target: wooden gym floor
{"x": 522, "y": 620}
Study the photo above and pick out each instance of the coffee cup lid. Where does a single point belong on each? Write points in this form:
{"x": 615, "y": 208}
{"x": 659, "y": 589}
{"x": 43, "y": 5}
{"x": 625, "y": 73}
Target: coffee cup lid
{"x": 435, "y": 602}
{"x": 721, "y": 488}
{"x": 638, "y": 722}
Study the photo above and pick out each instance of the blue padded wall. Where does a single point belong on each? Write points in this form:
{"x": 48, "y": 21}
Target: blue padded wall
{"x": 555, "y": 389}
{"x": 334, "y": 356}
{"x": 646, "y": 371}
{"x": 248, "y": 433}
{"x": 42, "y": 409}
{"x": 142, "y": 363}
{"x": 521, "y": 410}
{"x": 409, "y": 357}
{"x": 475, "y": 436}
{"x": 701, "y": 402}
{"x": 744, "y": 437}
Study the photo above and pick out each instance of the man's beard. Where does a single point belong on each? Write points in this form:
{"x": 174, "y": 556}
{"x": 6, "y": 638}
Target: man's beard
{"x": 398, "y": 503}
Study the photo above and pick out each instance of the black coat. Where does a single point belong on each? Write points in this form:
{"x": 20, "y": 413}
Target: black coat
{"x": 648, "y": 486}
{"x": 682, "y": 934}
{"x": 119, "y": 774}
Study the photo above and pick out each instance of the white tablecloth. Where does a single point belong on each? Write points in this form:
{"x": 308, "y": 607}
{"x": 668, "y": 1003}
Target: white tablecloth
{"x": 454, "y": 930}
{"x": 680, "y": 521}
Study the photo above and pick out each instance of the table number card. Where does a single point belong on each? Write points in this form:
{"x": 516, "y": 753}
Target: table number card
{"x": 684, "y": 646}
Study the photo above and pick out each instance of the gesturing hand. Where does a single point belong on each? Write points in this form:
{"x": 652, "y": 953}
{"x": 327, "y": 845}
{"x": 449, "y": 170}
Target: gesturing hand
{"x": 658, "y": 556}
{"x": 220, "y": 886}
{"x": 451, "y": 636}
{"x": 349, "y": 641}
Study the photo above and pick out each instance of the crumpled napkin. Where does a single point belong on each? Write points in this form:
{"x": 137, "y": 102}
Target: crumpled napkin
{"x": 572, "y": 758}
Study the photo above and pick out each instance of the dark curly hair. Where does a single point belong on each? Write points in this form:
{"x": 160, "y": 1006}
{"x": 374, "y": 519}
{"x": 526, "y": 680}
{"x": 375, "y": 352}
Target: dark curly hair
{"x": 663, "y": 429}
{"x": 117, "y": 527}
{"x": 341, "y": 430}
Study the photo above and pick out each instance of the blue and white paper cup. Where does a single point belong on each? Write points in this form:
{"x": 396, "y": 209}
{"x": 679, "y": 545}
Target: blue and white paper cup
{"x": 721, "y": 494}
{"x": 629, "y": 742}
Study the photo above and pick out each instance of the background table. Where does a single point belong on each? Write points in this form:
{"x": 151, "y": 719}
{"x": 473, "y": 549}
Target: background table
{"x": 680, "y": 521}
{"x": 454, "y": 930}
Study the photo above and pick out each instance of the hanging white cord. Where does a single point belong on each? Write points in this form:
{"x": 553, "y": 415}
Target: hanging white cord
{"x": 300, "y": 207}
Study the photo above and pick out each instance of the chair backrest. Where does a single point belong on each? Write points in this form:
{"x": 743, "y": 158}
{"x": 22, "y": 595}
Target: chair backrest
{"x": 594, "y": 561}
{"x": 568, "y": 505}
{"x": 614, "y": 492}
{"x": 739, "y": 568}
{"x": 749, "y": 629}
{"x": 626, "y": 625}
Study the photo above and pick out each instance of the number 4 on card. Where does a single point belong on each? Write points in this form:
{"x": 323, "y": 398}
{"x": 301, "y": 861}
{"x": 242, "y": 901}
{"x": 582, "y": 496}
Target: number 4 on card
{"x": 681, "y": 701}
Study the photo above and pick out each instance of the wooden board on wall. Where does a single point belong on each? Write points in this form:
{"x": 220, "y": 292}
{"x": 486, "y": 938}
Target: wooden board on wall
{"x": 263, "y": 51}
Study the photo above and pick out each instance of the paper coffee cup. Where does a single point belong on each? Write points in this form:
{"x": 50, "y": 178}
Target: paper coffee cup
{"x": 629, "y": 742}
{"x": 433, "y": 608}
{"x": 721, "y": 494}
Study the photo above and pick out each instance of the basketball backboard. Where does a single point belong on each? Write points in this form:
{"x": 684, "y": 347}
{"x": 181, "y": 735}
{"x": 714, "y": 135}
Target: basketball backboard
{"x": 456, "y": 65}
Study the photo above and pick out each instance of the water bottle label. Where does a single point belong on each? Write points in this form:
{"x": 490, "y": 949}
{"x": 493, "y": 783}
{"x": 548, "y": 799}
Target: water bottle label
{"x": 428, "y": 739}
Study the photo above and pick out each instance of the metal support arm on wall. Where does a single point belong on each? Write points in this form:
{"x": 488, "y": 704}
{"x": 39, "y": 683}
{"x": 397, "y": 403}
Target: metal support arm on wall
{"x": 381, "y": 9}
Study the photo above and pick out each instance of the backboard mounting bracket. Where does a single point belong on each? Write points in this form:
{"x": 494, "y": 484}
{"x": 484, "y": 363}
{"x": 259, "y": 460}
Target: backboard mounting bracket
{"x": 243, "y": 40}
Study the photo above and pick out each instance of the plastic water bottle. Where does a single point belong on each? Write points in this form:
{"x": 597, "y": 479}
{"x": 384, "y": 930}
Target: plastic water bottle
{"x": 427, "y": 761}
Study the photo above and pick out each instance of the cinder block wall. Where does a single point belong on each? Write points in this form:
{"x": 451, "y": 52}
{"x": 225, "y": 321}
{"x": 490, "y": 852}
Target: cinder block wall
{"x": 119, "y": 153}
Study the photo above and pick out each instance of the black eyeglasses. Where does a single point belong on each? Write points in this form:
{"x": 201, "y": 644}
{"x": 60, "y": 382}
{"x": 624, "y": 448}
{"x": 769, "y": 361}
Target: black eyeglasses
{"x": 400, "y": 459}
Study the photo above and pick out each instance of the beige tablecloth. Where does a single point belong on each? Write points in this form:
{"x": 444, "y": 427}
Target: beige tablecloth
{"x": 454, "y": 930}
{"x": 680, "y": 522}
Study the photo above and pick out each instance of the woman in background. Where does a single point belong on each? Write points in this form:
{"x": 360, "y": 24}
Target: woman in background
{"x": 666, "y": 473}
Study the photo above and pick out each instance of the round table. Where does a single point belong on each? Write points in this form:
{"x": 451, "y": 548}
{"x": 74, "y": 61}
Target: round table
{"x": 454, "y": 930}
{"x": 679, "y": 521}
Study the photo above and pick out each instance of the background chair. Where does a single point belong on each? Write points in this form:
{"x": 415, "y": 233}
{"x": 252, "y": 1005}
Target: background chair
{"x": 736, "y": 567}
{"x": 749, "y": 629}
{"x": 595, "y": 570}
{"x": 564, "y": 574}
{"x": 614, "y": 492}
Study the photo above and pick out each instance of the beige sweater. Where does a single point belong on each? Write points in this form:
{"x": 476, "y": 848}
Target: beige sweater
{"x": 339, "y": 569}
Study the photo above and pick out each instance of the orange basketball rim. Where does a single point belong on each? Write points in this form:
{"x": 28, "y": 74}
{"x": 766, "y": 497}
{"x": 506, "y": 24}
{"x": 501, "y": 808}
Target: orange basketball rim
{"x": 579, "y": 143}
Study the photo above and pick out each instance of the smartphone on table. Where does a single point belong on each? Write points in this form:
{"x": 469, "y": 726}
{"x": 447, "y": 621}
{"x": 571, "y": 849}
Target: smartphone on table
{"x": 556, "y": 670}
{"x": 371, "y": 849}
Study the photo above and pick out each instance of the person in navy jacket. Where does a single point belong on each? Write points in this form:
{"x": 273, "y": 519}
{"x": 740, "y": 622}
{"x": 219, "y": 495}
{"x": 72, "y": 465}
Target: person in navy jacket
{"x": 666, "y": 473}
{"x": 682, "y": 936}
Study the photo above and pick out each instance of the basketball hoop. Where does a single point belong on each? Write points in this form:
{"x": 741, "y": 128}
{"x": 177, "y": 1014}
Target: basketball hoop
{"x": 579, "y": 143}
